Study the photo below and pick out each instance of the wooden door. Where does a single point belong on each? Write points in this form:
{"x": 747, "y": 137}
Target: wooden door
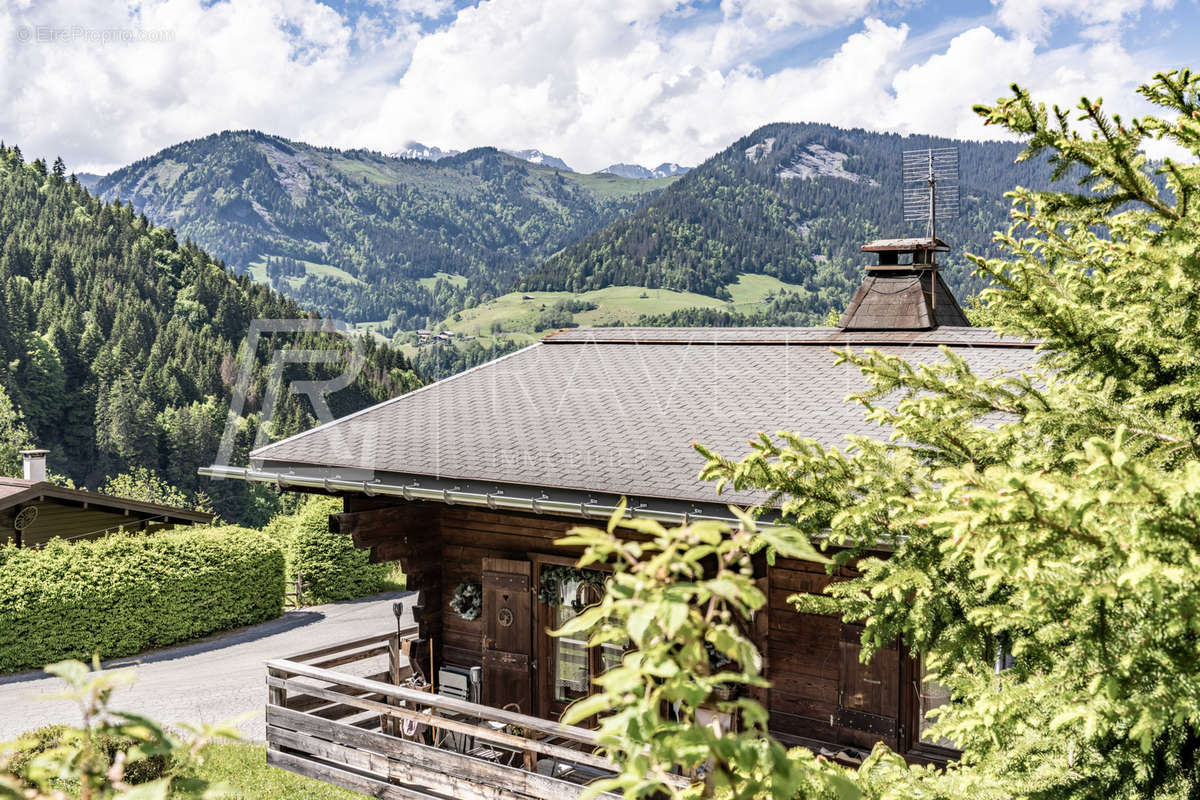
{"x": 868, "y": 694}
{"x": 507, "y": 634}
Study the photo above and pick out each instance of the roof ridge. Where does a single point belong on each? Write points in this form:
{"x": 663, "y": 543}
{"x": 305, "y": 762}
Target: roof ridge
{"x": 948, "y": 335}
{"x": 45, "y": 489}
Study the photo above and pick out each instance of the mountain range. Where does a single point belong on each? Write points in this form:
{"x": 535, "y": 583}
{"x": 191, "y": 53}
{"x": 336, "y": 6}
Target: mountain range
{"x": 363, "y": 236}
{"x": 139, "y": 326}
{"x": 667, "y": 169}
{"x": 428, "y": 237}
{"x": 539, "y": 158}
{"x": 421, "y": 152}
{"x": 793, "y": 202}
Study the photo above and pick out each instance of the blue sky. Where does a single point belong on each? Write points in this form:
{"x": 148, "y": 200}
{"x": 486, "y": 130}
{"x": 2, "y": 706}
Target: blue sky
{"x": 592, "y": 81}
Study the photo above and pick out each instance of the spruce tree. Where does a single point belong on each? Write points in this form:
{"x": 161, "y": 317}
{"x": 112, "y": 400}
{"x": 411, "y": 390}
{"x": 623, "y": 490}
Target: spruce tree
{"x": 1052, "y": 516}
{"x": 109, "y": 330}
{"x": 14, "y": 437}
{"x": 1068, "y": 532}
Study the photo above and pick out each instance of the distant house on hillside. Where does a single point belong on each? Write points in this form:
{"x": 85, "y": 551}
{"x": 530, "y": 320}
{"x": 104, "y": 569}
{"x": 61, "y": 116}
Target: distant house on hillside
{"x": 33, "y": 511}
{"x": 470, "y": 481}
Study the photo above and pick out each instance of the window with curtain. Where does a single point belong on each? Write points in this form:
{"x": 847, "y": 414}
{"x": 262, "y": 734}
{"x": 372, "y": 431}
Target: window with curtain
{"x": 572, "y": 668}
{"x": 932, "y": 695}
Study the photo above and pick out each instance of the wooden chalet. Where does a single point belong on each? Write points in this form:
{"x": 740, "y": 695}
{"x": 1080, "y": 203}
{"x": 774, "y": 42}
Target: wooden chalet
{"x": 469, "y": 481}
{"x": 33, "y": 511}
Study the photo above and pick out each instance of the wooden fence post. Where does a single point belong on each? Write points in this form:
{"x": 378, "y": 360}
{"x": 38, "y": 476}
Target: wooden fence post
{"x": 295, "y": 594}
{"x": 390, "y": 724}
{"x": 276, "y": 695}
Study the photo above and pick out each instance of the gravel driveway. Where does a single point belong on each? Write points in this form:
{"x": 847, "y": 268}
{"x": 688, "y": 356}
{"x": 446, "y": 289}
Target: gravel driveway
{"x": 211, "y": 680}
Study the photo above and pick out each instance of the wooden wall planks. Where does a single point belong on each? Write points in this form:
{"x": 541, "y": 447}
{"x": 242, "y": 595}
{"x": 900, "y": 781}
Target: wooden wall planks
{"x": 819, "y": 691}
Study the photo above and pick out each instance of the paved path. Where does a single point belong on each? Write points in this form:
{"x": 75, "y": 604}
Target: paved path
{"x": 212, "y": 680}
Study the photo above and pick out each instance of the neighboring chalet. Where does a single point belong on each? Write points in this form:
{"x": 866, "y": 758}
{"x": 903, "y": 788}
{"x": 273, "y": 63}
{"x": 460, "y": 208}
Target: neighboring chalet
{"x": 469, "y": 481}
{"x": 33, "y": 511}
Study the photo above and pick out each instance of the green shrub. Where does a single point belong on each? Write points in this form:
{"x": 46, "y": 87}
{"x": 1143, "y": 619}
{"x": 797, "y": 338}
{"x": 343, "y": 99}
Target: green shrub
{"x": 244, "y": 769}
{"x": 32, "y": 744}
{"x": 109, "y": 751}
{"x": 282, "y": 530}
{"x": 334, "y": 569}
{"x": 125, "y": 593}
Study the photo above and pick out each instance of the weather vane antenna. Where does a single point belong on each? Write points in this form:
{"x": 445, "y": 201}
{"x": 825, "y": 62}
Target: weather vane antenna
{"x": 930, "y": 186}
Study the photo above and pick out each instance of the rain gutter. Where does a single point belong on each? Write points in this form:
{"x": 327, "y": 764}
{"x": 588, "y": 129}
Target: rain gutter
{"x": 496, "y": 501}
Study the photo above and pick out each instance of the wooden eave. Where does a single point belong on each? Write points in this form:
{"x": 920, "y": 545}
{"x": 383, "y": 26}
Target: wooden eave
{"x": 43, "y": 490}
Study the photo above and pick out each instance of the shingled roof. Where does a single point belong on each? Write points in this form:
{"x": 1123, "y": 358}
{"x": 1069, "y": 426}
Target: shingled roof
{"x": 614, "y": 411}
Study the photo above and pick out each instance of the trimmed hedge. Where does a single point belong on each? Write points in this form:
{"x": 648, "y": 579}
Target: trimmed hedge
{"x": 126, "y": 593}
{"x": 334, "y": 569}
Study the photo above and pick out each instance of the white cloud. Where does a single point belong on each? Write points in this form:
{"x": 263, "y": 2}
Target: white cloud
{"x": 592, "y": 81}
{"x": 421, "y": 8}
{"x": 980, "y": 65}
{"x": 599, "y": 92}
{"x": 1034, "y": 18}
{"x": 780, "y": 14}
{"x": 977, "y": 66}
{"x": 593, "y": 89}
{"x": 105, "y": 83}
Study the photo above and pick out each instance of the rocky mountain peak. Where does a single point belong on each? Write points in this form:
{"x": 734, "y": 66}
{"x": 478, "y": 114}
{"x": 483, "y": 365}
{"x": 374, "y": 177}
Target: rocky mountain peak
{"x": 666, "y": 169}
{"x": 534, "y": 156}
{"x": 423, "y": 152}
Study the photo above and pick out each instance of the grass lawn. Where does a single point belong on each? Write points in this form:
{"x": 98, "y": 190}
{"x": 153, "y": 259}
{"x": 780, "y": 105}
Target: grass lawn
{"x": 752, "y": 290}
{"x": 395, "y": 581}
{"x": 243, "y": 767}
{"x": 518, "y": 316}
{"x": 613, "y": 304}
{"x": 608, "y": 185}
{"x": 454, "y": 278}
{"x": 258, "y": 272}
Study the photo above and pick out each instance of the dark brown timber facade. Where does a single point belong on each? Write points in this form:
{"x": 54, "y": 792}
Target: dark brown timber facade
{"x": 821, "y": 695}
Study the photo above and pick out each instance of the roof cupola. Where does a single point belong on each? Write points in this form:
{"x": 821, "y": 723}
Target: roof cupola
{"x": 904, "y": 290}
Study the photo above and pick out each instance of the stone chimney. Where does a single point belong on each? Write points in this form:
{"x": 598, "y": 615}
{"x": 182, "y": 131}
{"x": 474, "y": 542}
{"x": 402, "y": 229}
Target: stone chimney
{"x": 35, "y": 464}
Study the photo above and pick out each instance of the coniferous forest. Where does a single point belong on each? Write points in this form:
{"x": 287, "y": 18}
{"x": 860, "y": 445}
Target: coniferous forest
{"x": 794, "y": 201}
{"x": 120, "y": 347}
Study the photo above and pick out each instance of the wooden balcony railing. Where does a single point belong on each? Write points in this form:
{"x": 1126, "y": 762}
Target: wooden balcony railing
{"x": 370, "y": 734}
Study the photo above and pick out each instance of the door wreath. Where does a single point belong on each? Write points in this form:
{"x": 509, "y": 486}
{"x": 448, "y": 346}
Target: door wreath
{"x": 467, "y": 601}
